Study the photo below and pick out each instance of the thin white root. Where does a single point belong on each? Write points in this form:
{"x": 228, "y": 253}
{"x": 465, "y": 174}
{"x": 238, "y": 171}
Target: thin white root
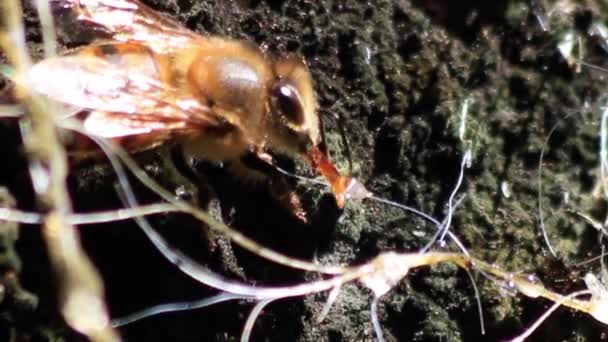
{"x": 255, "y": 312}
{"x": 466, "y": 163}
{"x": 545, "y": 315}
{"x": 331, "y": 299}
{"x": 174, "y": 307}
{"x": 80, "y": 289}
{"x": 11, "y": 111}
{"x": 49, "y": 37}
{"x": 375, "y": 321}
{"x": 595, "y": 224}
{"x": 26, "y": 217}
{"x": 453, "y": 236}
{"x": 541, "y": 214}
{"x": 598, "y": 304}
{"x": 464, "y": 112}
{"x": 477, "y": 301}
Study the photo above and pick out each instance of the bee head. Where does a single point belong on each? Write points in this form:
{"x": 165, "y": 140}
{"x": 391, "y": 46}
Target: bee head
{"x": 296, "y": 126}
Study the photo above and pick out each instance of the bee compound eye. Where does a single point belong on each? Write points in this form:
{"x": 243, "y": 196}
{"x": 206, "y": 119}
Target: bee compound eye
{"x": 288, "y": 103}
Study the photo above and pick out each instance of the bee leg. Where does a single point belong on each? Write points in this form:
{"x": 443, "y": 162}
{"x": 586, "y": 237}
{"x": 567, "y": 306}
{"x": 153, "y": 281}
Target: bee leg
{"x": 184, "y": 186}
{"x": 247, "y": 174}
{"x": 287, "y": 197}
{"x": 255, "y": 168}
{"x": 184, "y": 167}
{"x": 219, "y": 246}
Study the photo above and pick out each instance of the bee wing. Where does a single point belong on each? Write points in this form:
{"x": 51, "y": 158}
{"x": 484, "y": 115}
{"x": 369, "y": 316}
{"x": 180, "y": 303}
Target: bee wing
{"x": 130, "y": 20}
{"x": 105, "y": 84}
{"x": 114, "y": 125}
{"x": 120, "y": 128}
{"x": 118, "y": 90}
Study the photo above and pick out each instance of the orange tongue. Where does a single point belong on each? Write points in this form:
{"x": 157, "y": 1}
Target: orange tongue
{"x": 322, "y": 165}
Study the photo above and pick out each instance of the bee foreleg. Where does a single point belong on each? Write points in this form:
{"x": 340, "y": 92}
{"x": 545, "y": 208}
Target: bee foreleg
{"x": 255, "y": 168}
{"x": 289, "y": 198}
{"x": 246, "y": 174}
{"x": 183, "y": 186}
{"x": 194, "y": 187}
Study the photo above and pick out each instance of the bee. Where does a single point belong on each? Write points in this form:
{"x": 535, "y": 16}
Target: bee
{"x": 153, "y": 81}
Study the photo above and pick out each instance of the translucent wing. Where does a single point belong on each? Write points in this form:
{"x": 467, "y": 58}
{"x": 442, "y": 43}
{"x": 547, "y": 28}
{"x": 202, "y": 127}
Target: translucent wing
{"x": 121, "y": 87}
{"x": 131, "y": 134}
{"x": 130, "y": 20}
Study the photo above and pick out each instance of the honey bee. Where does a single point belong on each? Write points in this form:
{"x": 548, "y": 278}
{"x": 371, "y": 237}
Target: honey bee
{"x": 154, "y": 81}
